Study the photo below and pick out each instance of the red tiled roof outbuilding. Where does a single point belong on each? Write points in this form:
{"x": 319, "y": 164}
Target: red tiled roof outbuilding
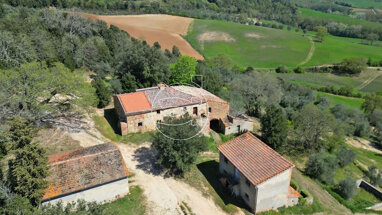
{"x": 254, "y": 159}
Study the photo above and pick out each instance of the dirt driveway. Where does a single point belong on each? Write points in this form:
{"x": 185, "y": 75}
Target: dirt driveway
{"x": 164, "y": 194}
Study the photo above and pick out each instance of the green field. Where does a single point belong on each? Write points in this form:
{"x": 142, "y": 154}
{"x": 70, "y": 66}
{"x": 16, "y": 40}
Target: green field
{"x": 328, "y": 79}
{"x": 365, "y": 3}
{"x": 348, "y": 101}
{"x": 375, "y": 86}
{"x": 272, "y": 47}
{"x": 313, "y": 14}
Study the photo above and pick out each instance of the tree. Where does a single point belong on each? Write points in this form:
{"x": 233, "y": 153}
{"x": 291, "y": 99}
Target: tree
{"x": 374, "y": 175}
{"x": 354, "y": 65}
{"x": 345, "y": 156}
{"x": 258, "y": 91}
{"x": 346, "y": 188}
{"x": 20, "y": 133}
{"x": 378, "y": 134}
{"x": 128, "y": 83}
{"x": 102, "y": 91}
{"x": 372, "y": 37}
{"x": 157, "y": 45}
{"x": 28, "y": 171}
{"x": 312, "y": 126}
{"x": 321, "y": 33}
{"x": 28, "y": 168}
{"x": 183, "y": 70}
{"x": 176, "y": 52}
{"x": 274, "y": 128}
{"x": 178, "y": 146}
{"x": 41, "y": 93}
{"x": 321, "y": 166}
{"x": 372, "y": 102}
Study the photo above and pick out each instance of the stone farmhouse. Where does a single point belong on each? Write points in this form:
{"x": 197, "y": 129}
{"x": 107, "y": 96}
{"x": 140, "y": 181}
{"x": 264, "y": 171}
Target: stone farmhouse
{"x": 256, "y": 173}
{"x": 97, "y": 173}
{"x": 144, "y": 109}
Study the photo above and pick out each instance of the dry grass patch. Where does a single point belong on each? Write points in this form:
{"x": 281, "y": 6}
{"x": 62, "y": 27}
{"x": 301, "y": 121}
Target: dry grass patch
{"x": 253, "y": 35}
{"x": 213, "y": 36}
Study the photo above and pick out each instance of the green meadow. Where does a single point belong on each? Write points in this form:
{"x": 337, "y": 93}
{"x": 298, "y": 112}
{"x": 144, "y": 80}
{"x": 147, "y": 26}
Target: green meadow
{"x": 351, "y": 102}
{"x": 365, "y": 3}
{"x": 254, "y": 46}
{"x": 329, "y": 79}
{"x": 313, "y": 14}
{"x": 262, "y": 47}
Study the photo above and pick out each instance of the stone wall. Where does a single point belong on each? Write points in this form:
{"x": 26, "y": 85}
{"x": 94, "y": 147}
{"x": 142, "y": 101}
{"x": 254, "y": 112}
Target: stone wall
{"x": 148, "y": 121}
{"x": 100, "y": 194}
{"x": 219, "y": 110}
{"x": 244, "y": 124}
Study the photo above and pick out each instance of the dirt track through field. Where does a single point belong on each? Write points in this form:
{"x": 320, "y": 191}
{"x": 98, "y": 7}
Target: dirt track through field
{"x": 165, "y": 29}
{"x": 368, "y": 81}
{"x": 310, "y": 54}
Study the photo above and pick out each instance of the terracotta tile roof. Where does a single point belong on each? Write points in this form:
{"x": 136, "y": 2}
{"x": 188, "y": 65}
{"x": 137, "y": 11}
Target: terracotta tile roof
{"x": 199, "y": 92}
{"x": 84, "y": 168}
{"x": 134, "y": 102}
{"x": 253, "y": 158}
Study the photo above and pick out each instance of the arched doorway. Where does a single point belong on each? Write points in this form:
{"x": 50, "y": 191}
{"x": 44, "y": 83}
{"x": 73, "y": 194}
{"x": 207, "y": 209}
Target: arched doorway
{"x": 215, "y": 125}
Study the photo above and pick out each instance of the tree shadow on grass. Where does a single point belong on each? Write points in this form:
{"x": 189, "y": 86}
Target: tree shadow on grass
{"x": 112, "y": 118}
{"x": 210, "y": 170}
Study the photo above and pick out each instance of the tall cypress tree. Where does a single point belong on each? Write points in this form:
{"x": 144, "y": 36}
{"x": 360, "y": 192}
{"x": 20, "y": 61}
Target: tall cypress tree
{"x": 274, "y": 127}
{"x": 28, "y": 168}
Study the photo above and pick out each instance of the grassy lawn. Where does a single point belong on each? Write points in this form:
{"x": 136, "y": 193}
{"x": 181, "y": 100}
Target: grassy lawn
{"x": 133, "y": 204}
{"x": 270, "y": 48}
{"x": 348, "y": 101}
{"x": 108, "y": 127}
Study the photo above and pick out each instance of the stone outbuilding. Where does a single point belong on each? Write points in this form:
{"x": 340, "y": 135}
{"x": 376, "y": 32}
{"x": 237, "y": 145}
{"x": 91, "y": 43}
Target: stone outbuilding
{"x": 256, "y": 173}
{"x": 146, "y": 108}
{"x": 97, "y": 173}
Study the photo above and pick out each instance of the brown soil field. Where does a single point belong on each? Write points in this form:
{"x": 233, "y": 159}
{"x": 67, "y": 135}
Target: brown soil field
{"x": 165, "y": 29}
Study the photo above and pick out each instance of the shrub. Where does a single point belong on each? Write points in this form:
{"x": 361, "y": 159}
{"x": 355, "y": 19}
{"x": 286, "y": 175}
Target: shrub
{"x": 298, "y": 70}
{"x": 294, "y": 185}
{"x": 304, "y": 194}
{"x": 352, "y": 65}
{"x": 345, "y": 156}
{"x": 282, "y": 69}
{"x": 346, "y": 188}
{"x": 321, "y": 166}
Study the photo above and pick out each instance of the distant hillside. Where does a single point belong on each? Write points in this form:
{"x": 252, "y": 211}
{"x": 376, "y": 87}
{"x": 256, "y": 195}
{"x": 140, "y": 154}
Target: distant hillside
{"x": 262, "y": 47}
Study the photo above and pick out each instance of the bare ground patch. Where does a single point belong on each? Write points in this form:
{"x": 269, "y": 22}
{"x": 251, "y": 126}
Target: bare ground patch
{"x": 363, "y": 144}
{"x": 212, "y": 36}
{"x": 253, "y": 35}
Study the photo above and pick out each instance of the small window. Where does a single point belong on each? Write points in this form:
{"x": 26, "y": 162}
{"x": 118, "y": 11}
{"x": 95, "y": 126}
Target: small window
{"x": 140, "y": 124}
{"x": 246, "y": 197}
{"x": 247, "y": 183}
{"x": 195, "y": 111}
{"x": 225, "y": 160}
{"x": 209, "y": 110}
{"x": 158, "y": 111}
